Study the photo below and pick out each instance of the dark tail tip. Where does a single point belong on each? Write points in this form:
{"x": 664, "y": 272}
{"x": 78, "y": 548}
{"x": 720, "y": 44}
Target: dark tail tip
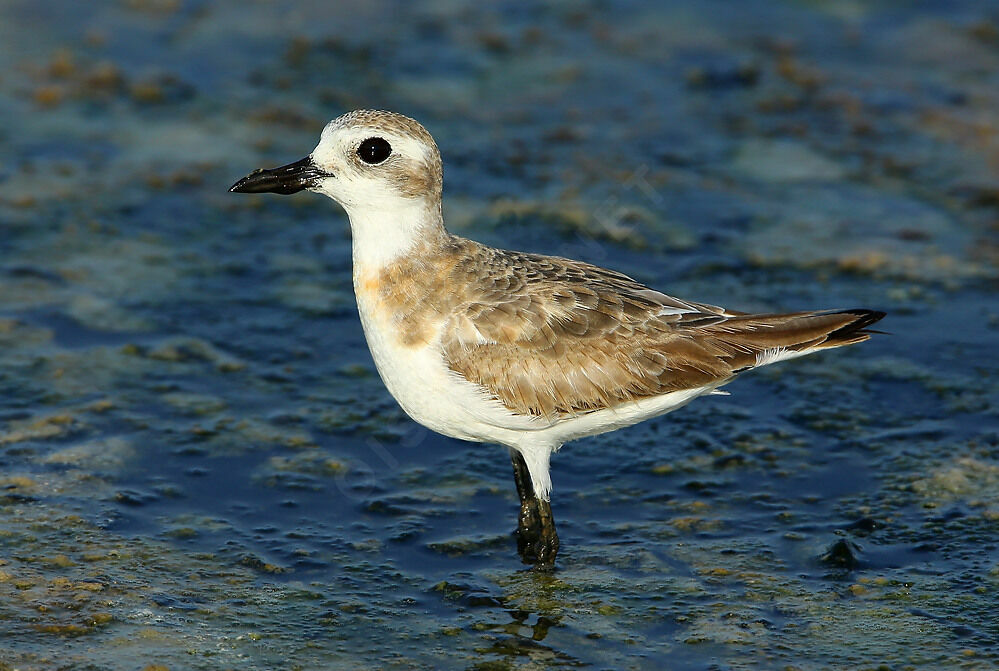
{"x": 857, "y": 327}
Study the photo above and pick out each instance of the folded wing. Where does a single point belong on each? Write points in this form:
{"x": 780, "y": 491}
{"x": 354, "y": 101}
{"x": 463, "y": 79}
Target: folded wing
{"x": 552, "y": 337}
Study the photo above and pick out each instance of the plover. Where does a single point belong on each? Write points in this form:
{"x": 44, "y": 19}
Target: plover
{"x": 519, "y": 349}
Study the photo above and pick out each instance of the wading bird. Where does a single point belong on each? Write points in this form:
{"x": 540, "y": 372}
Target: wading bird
{"x": 519, "y": 349}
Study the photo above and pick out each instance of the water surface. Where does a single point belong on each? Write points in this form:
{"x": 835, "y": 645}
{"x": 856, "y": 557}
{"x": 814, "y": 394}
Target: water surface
{"x": 199, "y": 468}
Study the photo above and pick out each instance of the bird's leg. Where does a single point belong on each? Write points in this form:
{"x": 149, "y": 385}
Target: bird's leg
{"x": 537, "y": 541}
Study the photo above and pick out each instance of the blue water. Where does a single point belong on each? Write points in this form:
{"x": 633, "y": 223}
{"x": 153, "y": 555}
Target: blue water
{"x": 199, "y": 467}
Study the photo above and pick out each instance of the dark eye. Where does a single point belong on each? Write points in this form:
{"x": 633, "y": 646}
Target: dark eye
{"x": 374, "y": 150}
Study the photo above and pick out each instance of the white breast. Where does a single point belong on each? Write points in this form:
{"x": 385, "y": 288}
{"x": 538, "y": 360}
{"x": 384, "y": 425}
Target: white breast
{"x": 428, "y": 391}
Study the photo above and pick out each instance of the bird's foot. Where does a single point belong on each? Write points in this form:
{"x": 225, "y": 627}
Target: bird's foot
{"x": 537, "y": 540}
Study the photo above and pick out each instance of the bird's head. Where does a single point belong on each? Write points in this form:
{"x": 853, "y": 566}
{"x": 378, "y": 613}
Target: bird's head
{"x": 366, "y": 160}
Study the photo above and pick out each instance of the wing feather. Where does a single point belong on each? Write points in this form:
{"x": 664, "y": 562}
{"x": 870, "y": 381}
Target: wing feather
{"x": 553, "y": 337}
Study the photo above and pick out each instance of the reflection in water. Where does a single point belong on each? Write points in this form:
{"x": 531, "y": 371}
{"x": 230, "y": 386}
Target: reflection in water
{"x": 512, "y": 633}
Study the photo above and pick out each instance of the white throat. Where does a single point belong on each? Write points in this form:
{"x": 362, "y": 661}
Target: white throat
{"x": 383, "y": 235}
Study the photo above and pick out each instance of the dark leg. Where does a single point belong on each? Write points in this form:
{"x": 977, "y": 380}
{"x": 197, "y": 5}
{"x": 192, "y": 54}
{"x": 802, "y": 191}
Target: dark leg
{"x": 537, "y": 541}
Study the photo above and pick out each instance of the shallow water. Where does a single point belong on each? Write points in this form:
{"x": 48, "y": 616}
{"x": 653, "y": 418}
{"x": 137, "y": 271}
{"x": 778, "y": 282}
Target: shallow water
{"x": 201, "y": 470}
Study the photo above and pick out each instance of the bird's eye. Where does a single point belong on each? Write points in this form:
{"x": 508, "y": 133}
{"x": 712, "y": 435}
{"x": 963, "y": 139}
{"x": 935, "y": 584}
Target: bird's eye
{"x": 374, "y": 150}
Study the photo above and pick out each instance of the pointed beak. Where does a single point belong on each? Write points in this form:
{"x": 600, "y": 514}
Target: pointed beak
{"x": 287, "y": 179}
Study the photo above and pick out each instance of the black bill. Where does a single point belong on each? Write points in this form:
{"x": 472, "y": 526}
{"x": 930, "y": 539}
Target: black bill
{"x": 290, "y": 178}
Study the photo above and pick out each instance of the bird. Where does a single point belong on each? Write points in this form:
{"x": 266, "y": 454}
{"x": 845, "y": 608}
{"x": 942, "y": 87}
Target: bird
{"x": 518, "y": 349}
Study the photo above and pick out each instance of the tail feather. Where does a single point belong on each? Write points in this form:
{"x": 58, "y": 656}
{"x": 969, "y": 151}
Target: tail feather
{"x": 748, "y": 341}
{"x": 856, "y": 331}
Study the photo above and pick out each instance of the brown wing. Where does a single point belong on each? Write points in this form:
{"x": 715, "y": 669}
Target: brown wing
{"x": 552, "y": 337}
